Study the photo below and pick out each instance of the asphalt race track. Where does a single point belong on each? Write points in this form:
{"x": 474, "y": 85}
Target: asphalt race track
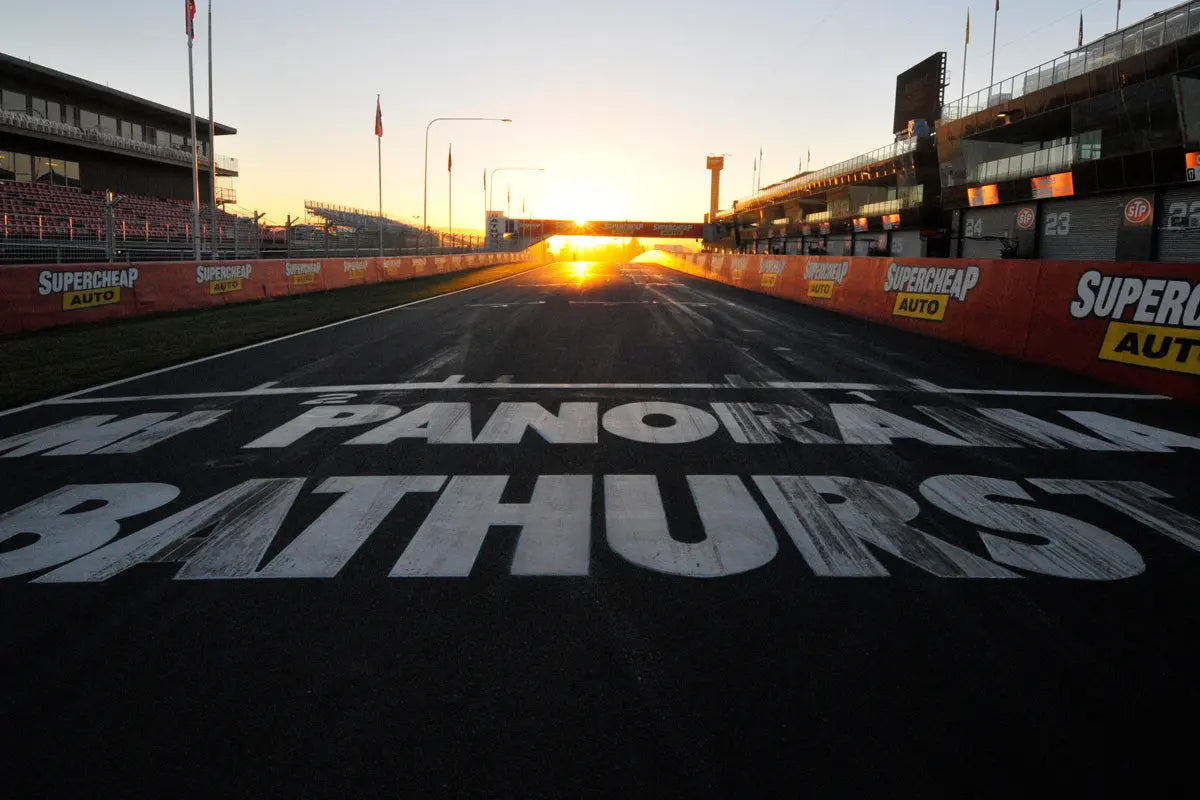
{"x": 600, "y": 529}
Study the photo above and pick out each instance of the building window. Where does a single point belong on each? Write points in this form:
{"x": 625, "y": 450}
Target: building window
{"x": 41, "y": 169}
{"x": 54, "y": 111}
{"x": 149, "y": 135}
{"x": 72, "y": 173}
{"x": 6, "y": 166}
{"x": 12, "y": 101}
{"x": 58, "y": 172}
{"x": 71, "y": 115}
{"x": 24, "y": 167}
{"x": 37, "y": 107}
{"x": 108, "y": 125}
{"x": 89, "y": 120}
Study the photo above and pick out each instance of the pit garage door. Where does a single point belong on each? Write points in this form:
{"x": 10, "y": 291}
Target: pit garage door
{"x": 838, "y": 245}
{"x": 1083, "y": 229}
{"x": 1179, "y": 225}
{"x": 907, "y": 244}
{"x": 985, "y": 229}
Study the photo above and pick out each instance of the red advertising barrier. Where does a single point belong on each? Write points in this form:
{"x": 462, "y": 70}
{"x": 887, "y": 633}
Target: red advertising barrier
{"x": 42, "y": 296}
{"x": 1136, "y": 324}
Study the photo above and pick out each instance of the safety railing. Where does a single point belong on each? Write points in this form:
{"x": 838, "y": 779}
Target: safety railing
{"x": 1156, "y": 31}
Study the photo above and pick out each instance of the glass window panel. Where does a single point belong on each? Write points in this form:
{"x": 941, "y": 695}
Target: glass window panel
{"x": 108, "y": 125}
{"x": 136, "y": 134}
{"x": 1133, "y": 43}
{"x": 53, "y": 111}
{"x": 12, "y": 101}
{"x": 37, "y": 107}
{"x": 41, "y": 169}
{"x": 72, "y": 173}
{"x": 71, "y": 115}
{"x": 58, "y": 173}
{"x": 7, "y": 166}
{"x": 1176, "y": 27}
{"x": 24, "y": 166}
{"x": 1152, "y": 35}
{"x": 89, "y": 120}
{"x": 1194, "y": 19}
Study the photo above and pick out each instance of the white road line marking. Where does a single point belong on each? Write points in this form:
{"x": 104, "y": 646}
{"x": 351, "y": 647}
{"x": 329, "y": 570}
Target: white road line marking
{"x": 453, "y": 379}
{"x": 570, "y": 387}
{"x": 63, "y": 397}
{"x": 506, "y": 305}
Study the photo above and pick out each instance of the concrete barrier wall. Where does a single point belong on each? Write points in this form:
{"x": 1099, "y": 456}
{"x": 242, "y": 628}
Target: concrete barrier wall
{"x": 1131, "y": 323}
{"x": 42, "y": 296}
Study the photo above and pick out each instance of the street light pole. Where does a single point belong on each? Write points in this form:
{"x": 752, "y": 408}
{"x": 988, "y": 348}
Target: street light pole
{"x": 425, "y": 190}
{"x": 492, "y": 189}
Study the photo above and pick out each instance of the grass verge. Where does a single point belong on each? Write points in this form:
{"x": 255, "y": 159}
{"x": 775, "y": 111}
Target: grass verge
{"x": 46, "y": 363}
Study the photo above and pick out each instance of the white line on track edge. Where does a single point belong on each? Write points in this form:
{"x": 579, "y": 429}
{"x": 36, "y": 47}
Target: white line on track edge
{"x": 69, "y": 395}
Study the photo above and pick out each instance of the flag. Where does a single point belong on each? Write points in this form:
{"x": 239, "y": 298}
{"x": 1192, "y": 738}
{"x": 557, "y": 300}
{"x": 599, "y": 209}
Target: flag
{"x": 968, "y": 27}
{"x": 378, "y": 118}
{"x": 189, "y": 13}
{"x": 450, "y": 158}
{"x": 1081, "y": 29}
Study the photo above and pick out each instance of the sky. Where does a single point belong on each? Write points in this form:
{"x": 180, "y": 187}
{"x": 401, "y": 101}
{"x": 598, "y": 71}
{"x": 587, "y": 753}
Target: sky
{"x": 620, "y": 102}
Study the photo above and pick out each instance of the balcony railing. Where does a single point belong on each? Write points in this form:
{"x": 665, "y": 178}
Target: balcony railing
{"x": 29, "y": 122}
{"x": 807, "y": 180}
{"x": 1161, "y": 29}
{"x": 1039, "y": 162}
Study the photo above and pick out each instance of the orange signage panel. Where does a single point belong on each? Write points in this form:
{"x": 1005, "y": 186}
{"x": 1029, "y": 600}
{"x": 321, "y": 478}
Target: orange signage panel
{"x": 1060, "y": 184}
{"x": 988, "y": 195}
{"x": 860, "y": 224}
{"x": 1192, "y": 160}
{"x": 891, "y": 222}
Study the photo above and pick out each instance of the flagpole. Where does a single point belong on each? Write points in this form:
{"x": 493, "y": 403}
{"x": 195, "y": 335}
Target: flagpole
{"x": 1118, "y": 16}
{"x": 963, "y": 92}
{"x": 379, "y": 162}
{"x": 450, "y": 182}
{"x": 212, "y": 143}
{"x": 195, "y": 149}
{"x": 992, "y": 76}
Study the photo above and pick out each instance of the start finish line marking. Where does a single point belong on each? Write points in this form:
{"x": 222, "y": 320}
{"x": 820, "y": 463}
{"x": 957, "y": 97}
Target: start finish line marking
{"x": 267, "y": 390}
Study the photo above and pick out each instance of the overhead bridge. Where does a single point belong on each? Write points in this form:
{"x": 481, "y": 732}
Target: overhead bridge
{"x": 532, "y": 231}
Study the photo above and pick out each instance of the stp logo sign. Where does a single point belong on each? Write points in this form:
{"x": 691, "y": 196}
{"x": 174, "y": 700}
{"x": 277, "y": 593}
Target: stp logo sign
{"x": 1138, "y": 211}
{"x": 1025, "y": 218}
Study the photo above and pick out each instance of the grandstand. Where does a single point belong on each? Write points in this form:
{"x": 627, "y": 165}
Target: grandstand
{"x": 43, "y": 222}
{"x": 1093, "y": 155}
{"x": 329, "y": 227}
{"x": 88, "y": 172}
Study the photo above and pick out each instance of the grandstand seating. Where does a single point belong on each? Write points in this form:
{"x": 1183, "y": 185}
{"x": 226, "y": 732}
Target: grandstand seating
{"x": 356, "y": 218}
{"x": 41, "y": 211}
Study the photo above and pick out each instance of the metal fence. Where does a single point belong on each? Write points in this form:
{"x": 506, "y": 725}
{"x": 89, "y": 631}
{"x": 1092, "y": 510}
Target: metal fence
{"x": 51, "y": 238}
